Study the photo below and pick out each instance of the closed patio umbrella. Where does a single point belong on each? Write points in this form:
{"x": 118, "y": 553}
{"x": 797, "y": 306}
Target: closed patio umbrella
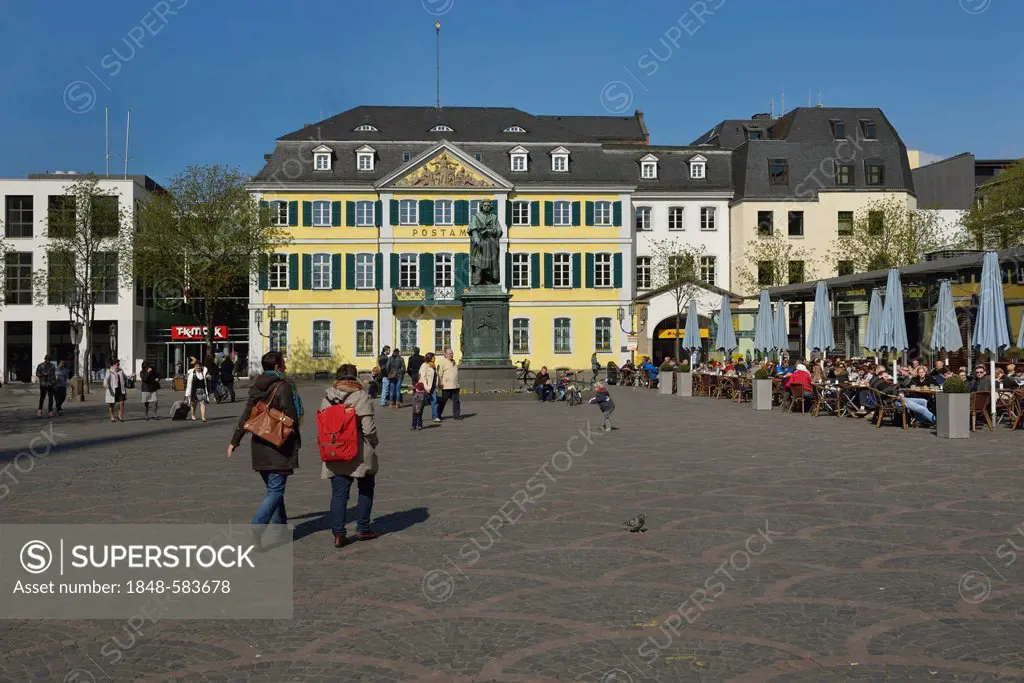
{"x": 725, "y": 340}
{"x": 691, "y": 336}
{"x": 990, "y": 330}
{"x": 1020, "y": 335}
{"x": 764, "y": 329}
{"x": 894, "y": 326}
{"x": 946, "y": 333}
{"x": 821, "y": 336}
{"x": 874, "y": 330}
{"x": 781, "y": 328}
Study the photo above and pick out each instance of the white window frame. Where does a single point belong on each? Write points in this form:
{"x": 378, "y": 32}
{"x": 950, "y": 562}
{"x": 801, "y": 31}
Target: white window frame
{"x": 363, "y": 207}
{"x": 603, "y": 262}
{"x": 371, "y": 347}
{"x": 364, "y": 161}
{"x": 412, "y": 218}
{"x": 520, "y": 220}
{"x": 554, "y": 335}
{"x": 410, "y": 324}
{"x": 514, "y": 129}
{"x": 474, "y": 207}
{"x": 649, "y": 170}
{"x": 560, "y": 163}
{"x": 519, "y": 163}
{"x": 321, "y": 222}
{"x": 561, "y": 204}
{"x": 365, "y": 277}
{"x": 444, "y": 269}
{"x": 644, "y": 225}
{"x": 698, "y": 170}
{"x": 521, "y": 267}
{"x": 712, "y": 263}
{"x": 322, "y": 161}
{"x": 444, "y": 212}
{"x": 679, "y": 213}
{"x": 643, "y": 262}
{"x": 408, "y": 271}
{"x": 603, "y": 213}
{"x": 439, "y": 327}
{"x": 282, "y": 348}
{"x": 555, "y": 270}
{"x": 529, "y": 336}
{"x": 366, "y": 128}
{"x": 330, "y": 339}
{"x": 275, "y": 207}
{"x": 277, "y": 263}
{"x": 611, "y": 335}
{"x": 441, "y": 128}
{"x": 708, "y": 218}
{"x": 325, "y": 271}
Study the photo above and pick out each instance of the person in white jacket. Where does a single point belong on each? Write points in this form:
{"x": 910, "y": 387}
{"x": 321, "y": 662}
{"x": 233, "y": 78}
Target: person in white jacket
{"x": 196, "y": 389}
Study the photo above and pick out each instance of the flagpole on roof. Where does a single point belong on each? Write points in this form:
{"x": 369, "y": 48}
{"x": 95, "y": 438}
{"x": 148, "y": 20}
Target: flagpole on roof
{"x": 437, "y": 30}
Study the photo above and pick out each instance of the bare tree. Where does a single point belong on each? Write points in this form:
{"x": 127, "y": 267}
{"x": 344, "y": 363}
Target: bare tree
{"x": 773, "y": 260}
{"x": 676, "y": 269}
{"x": 885, "y": 233}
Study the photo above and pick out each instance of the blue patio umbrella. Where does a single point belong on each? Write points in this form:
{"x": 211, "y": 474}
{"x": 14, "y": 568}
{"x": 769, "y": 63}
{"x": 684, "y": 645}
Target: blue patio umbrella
{"x": 821, "y": 336}
{"x": 691, "y": 335}
{"x": 946, "y": 332}
{"x": 725, "y": 340}
{"x": 893, "y": 335}
{"x": 1020, "y": 335}
{"x": 781, "y": 328}
{"x": 990, "y": 330}
{"x": 874, "y": 331}
{"x": 764, "y": 329}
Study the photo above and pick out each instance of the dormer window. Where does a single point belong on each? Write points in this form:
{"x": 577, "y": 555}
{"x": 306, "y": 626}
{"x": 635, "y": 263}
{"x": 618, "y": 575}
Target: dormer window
{"x": 698, "y": 168}
{"x": 365, "y": 158}
{"x": 441, "y": 128}
{"x": 514, "y": 129}
{"x": 518, "y": 159}
{"x": 838, "y": 129}
{"x": 560, "y": 160}
{"x": 867, "y": 127}
{"x": 322, "y": 158}
{"x": 366, "y": 128}
{"x": 649, "y": 167}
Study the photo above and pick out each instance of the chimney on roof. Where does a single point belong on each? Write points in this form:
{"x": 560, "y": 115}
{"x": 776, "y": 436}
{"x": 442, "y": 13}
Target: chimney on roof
{"x": 266, "y": 157}
{"x": 762, "y": 115}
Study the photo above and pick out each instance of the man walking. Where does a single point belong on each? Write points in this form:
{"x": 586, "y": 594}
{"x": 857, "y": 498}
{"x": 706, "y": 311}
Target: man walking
{"x": 227, "y": 376}
{"x": 448, "y": 381}
{"x": 47, "y": 377}
{"x": 382, "y": 366}
{"x": 275, "y": 464}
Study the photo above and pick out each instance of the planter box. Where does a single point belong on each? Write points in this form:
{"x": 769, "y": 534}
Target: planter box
{"x": 953, "y": 415}
{"x": 665, "y": 382}
{"x": 762, "y": 394}
{"x": 684, "y": 384}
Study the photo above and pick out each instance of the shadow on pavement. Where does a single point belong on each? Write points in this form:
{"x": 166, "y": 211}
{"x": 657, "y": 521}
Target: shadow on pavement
{"x": 391, "y": 523}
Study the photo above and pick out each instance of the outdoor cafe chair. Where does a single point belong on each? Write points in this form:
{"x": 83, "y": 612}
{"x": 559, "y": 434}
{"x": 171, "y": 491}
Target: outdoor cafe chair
{"x": 706, "y": 385}
{"x": 744, "y": 390}
{"x": 1018, "y": 410}
{"x": 980, "y": 401}
{"x": 828, "y": 399}
{"x": 726, "y": 387}
{"x": 796, "y": 399}
{"x": 888, "y": 405}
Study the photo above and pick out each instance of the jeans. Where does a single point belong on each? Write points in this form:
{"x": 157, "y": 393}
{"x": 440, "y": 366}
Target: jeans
{"x": 607, "y": 415}
{"x": 272, "y": 508}
{"x": 545, "y": 392}
{"x": 919, "y": 408}
{"x": 417, "y": 419}
{"x": 395, "y": 390}
{"x": 385, "y": 388}
{"x": 453, "y": 396}
{"x": 60, "y": 394}
{"x": 231, "y": 389}
{"x": 46, "y": 393}
{"x": 340, "y": 485}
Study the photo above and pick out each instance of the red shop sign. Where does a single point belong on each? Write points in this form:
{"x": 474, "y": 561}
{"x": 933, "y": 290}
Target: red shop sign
{"x": 197, "y": 332}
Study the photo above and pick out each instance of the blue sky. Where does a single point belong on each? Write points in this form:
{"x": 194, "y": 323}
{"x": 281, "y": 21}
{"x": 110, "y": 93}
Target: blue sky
{"x": 217, "y": 82}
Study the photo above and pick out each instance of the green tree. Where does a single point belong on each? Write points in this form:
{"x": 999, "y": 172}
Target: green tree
{"x": 885, "y": 233}
{"x": 996, "y": 221}
{"x": 202, "y": 241}
{"x": 676, "y": 270}
{"x": 772, "y": 260}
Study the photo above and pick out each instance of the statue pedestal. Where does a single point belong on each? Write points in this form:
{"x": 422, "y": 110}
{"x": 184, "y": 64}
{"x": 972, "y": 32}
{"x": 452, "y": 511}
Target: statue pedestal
{"x": 484, "y": 364}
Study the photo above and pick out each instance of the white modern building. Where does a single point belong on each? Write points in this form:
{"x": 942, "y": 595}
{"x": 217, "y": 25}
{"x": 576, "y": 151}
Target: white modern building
{"x": 34, "y": 324}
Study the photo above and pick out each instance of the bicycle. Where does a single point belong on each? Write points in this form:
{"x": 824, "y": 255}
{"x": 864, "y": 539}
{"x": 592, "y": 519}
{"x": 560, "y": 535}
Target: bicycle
{"x": 524, "y": 373}
{"x": 573, "y": 392}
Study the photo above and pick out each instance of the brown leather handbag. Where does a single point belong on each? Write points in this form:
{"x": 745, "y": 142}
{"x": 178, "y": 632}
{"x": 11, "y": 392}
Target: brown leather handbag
{"x": 269, "y": 423}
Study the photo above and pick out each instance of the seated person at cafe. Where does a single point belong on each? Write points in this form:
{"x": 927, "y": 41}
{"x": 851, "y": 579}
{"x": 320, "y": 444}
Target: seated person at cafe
{"x": 649, "y": 369}
{"x": 1012, "y": 378}
{"x": 542, "y": 385}
{"x": 800, "y": 378}
{"x": 1001, "y": 379}
{"x": 918, "y": 407}
{"x": 939, "y": 369}
{"x": 922, "y": 379}
{"x": 627, "y": 371}
{"x": 980, "y": 381}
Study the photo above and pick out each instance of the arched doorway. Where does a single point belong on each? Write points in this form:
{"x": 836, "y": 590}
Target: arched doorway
{"x": 663, "y": 337}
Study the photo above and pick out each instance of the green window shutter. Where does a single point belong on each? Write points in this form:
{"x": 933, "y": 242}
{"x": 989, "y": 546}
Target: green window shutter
{"x": 427, "y": 271}
{"x": 576, "y": 267}
{"x": 335, "y": 271}
{"x": 508, "y": 212}
{"x": 461, "y": 272}
{"x": 350, "y": 214}
{"x": 293, "y": 271}
{"x": 617, "y": 270}
{"x": 426, "y": 212}
{"x": 507, "y": 279}
{"x": 549, "y": 271}
{"x": 576, "y": 214}
{"x": 535, "y": 214}
{"x": 350, "y": 271}
{"x": 378, "y": 271}
{"x": 549, "y": 213}
{"x": 461, "y": 212}
{"x": 293, "y": 214}
{"x": 617, "y": 214}
{"x": 262, "y": 266}
{"x": 307, "y": 213}
{"x": 535, "y": 270}
{"x": 394, "y": 271}
{"x": 590, "y": 213}
{"x": 378, "y": 209}
{"x": 307, "y": 271}
{"x": 336, "y": 214}
{"x": 590, "y": 272}
{"x": 394, "y": 212}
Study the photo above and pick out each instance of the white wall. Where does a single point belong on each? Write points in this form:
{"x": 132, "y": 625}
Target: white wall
{"x": 715, "y": 242}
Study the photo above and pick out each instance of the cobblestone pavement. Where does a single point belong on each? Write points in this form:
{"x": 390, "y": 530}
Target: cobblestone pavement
{"x": 780, "y": 548}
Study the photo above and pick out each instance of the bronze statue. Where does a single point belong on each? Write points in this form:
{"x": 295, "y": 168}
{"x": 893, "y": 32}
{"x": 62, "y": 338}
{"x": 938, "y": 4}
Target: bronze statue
{"x": 484, "y": 252}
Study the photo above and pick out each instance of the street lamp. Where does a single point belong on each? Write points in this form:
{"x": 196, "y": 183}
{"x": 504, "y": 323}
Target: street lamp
{"x": 634, "y": 313}
{"x": 272, "y": 313}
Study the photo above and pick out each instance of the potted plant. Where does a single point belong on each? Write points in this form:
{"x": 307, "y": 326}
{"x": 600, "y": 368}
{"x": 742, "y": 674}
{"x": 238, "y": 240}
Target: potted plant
{"x": 762, "y": 399}
{"x": 953, "y": 409}
{"x": 665, "y": 376}
{"x": 684, "y": 379}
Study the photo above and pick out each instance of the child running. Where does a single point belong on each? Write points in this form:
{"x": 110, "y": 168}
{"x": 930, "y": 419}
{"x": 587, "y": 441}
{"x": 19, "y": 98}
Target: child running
{"x": 604, "y": 401}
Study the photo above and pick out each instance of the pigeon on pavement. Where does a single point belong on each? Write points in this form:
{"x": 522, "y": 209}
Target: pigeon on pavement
{"x": 636, "y": 524}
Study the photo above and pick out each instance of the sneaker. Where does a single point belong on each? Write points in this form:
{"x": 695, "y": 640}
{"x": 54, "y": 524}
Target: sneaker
{"x": 606, "y": 429}
{"x": 437, "y": 420}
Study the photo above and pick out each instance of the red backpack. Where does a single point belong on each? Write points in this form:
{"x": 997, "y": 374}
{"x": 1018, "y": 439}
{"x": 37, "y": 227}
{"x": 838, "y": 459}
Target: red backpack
{"x": 337, "y": 429}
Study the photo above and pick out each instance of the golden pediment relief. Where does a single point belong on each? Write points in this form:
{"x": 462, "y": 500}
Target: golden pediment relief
{"x": 443, "y": 171}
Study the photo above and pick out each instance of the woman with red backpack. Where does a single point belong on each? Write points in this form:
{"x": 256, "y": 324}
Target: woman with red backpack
{"x": 347, "y": 395}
